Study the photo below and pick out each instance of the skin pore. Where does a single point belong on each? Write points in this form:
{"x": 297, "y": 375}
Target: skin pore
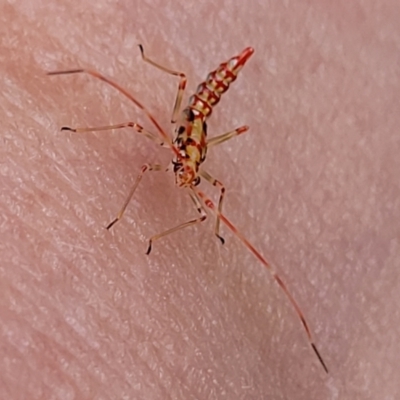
{"x": 313, "y": 185}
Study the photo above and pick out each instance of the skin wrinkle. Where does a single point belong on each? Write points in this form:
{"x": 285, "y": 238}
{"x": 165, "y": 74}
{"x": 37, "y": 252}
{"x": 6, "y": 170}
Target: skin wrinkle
{"x": 313, "y": 185}
{"x": 72, "y": 334}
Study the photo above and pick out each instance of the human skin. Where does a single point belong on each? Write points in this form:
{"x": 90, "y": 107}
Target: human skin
{"x": 84, "y": 313}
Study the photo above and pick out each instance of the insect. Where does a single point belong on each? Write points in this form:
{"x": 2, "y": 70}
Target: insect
{"x": 189, "y": 148}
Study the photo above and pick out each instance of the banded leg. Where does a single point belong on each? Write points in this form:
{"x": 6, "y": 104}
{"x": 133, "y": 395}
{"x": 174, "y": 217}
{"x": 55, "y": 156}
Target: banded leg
{"x": 138, "y": 128}
{"x": 202, "y": 218}
{"x": 226, "y": 136}
{"x": 145, "y": 168}
{"x": 209, "y": 204}
{"x": 221, "y": 187}
{"x": 120, "y": 89}
{"x": 181, "y": 85}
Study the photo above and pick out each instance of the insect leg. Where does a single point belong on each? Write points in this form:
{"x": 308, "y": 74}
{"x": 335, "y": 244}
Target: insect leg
{"x": 97, "y": 75}
{"x": 181, "y": 85}
{"x": 209, "y": 204}
{"x": 221, "y": 187}
{"x": 138, "y": 128}
{"x": 202, "y": 217}
{"x": 145, "y": 168}
{"x": 226, "y": 136}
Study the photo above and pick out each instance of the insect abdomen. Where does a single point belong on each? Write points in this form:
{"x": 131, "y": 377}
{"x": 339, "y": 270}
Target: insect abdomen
{"x": 209, "y": 92}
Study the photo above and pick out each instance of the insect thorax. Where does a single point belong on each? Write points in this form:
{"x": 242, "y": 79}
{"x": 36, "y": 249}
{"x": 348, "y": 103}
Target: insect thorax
{"x": 191, "y": 143}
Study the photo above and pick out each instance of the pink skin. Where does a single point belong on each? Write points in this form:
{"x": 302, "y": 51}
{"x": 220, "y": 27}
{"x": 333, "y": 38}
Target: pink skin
{"x": 313, "y": 185}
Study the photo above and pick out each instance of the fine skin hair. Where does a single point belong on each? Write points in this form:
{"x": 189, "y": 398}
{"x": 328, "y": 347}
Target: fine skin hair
{"x": 313, "y": 184}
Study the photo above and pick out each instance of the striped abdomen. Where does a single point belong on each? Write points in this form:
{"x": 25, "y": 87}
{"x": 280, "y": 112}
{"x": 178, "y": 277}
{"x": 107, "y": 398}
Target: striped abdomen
{"x": 209, "y": 92}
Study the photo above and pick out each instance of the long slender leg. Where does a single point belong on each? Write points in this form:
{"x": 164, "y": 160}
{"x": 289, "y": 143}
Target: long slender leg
{"x": 209, "y": 204}
{"x": 143, "y": 170}
{"x": 226, "y": 136}
{"x": 221, "y": 187}
{"x": 181, "y": 85}
{"x": 120, "y": 89}
{"x": 213, "y": 142}
{"x": 202, "y": 217}
{"x": 138, "y": 128}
